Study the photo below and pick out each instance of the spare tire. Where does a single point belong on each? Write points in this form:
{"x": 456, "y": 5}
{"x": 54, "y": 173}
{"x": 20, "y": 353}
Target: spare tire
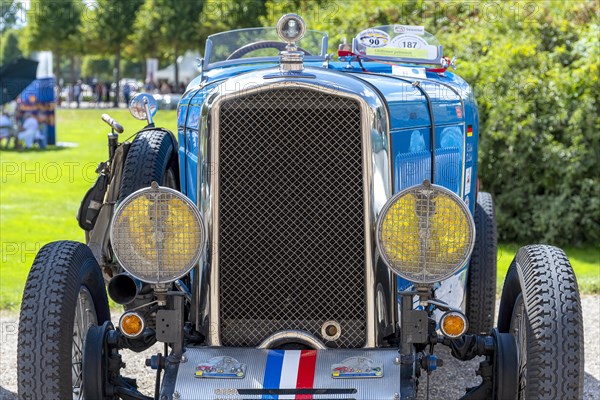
{"x": 152, "y": 156}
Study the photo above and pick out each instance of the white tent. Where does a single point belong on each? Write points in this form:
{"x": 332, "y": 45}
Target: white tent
{"x": 44, "y": 69}
{"x": 188, "y": 68}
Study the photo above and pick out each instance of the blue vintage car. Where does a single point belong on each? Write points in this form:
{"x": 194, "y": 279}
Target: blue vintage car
{"x": 313, "y": 230}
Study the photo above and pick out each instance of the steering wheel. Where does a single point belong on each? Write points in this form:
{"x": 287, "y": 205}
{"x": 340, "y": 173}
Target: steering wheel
{"x": 265, "y": 44}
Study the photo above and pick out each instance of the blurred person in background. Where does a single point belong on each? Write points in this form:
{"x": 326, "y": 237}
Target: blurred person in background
{"x": 149, "y": 86}
{"x": 6, "y": 127}
{"x": 165, "y": 88}
{"x": 106, "y": 92}
{"x": 70, "y": 96}
{"x": 77, "y": 92}
{"x": 42, "y": 134}
{"x": 99, "y": 93}
{"x": 30, "y": 130}
{"x": 127, "y": 92}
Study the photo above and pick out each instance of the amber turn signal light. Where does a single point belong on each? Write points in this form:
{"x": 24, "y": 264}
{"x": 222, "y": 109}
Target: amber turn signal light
{"x": 131, "y": 324}
{"x": 453, "y": 324}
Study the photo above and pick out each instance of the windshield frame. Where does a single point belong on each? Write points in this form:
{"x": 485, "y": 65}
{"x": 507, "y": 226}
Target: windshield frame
{"x": 206, "y": 65}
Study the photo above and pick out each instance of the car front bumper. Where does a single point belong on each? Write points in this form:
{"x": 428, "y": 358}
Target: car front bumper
{"x": 248, "y": 373}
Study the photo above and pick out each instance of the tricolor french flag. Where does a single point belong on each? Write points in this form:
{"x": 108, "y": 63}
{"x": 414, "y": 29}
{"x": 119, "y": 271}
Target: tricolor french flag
{"x": 290, "y": 369}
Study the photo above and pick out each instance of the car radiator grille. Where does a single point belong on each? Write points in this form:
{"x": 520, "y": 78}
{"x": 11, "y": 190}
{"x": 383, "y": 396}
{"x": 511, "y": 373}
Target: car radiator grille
{"x": 291, "y": 219}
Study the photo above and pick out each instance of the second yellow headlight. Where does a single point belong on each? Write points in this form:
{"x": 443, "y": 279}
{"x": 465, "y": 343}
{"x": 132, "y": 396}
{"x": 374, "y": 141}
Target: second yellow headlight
{"x": 425, "y": 233}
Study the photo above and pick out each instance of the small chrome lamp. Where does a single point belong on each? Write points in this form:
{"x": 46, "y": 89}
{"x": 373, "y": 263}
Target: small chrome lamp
{"x": 291, "y": 28}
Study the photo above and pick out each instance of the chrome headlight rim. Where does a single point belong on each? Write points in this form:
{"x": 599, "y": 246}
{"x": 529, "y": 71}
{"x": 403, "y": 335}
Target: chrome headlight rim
{"x": 196, "y": 214}
{"x": 452, "y": 313}
{"x": 136, "y": 314}
{"x": 392, "y": 201}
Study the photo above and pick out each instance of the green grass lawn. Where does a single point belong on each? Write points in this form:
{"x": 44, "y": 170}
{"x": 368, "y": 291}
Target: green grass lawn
{"x": 40, "y": 192}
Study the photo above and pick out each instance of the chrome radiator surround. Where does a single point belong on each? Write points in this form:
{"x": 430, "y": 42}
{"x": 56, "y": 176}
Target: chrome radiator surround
{"x": 376, "y": 190}
{"x": 291, "y": 230}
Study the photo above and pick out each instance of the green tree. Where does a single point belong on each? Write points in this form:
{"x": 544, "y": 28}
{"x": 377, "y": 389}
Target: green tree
{"x": 172, "y": 26}
{"x": 343, "y": 20}
{"x": 53, "y": 25}
{"x": 9, "y": 12}
{"x": 145, "y": 36}
{"x": 98, "y": 67}
{"x": 9, "y": 47}
{"x": 219, "y": 16}
{"x": 107, "y": 29}
{"x": 535, "y": 76}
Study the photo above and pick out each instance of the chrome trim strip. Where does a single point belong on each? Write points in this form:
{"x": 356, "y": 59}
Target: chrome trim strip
{"x": 393, "y": 292}
{"x": 258, "y": 60}
{"x": 377, "y": 175}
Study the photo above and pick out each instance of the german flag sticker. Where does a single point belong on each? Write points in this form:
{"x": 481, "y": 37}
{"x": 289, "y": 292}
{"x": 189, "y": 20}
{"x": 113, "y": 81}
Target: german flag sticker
{"x": 470, "y": 131}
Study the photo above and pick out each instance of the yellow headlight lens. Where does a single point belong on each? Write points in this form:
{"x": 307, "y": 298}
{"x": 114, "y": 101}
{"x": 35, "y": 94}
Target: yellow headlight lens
{"x": 425, "y": 233}
{"x": 157, "y": 235}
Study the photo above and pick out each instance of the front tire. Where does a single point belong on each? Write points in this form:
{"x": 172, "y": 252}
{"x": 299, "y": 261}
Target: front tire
{"x": 541, "y": 307}
{"x": 64, "y": 295}
{"x": 152, "y": 156}
{"x": 481, "y": 280}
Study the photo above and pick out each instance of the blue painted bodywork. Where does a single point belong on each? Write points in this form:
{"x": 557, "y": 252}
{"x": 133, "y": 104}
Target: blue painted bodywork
{"x": 455, "y": 120}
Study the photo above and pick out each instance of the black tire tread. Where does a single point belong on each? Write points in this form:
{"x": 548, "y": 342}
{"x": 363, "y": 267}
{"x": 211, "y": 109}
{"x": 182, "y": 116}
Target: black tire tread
{"x": 481, "y": 280}
{"x": 555, "y": 363}
{"x": 149, "y": 155}
{"x": 47, "y": 314}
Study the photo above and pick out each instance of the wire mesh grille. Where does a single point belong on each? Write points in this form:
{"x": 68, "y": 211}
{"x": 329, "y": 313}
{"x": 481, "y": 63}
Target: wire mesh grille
{"x": 426, "y": 234}
{"x": 291, "y": 249}
{"x": 157, "y": 235}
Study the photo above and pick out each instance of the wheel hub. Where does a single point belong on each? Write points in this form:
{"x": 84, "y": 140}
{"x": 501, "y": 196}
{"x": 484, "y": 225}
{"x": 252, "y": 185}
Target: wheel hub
{"x": 506, "y": 371}
{"x": 95, "y": 361}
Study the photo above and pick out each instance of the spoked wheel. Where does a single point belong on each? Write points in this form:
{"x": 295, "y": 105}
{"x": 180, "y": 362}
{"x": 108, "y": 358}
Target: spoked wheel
{"x": 85, "y": 318}
{"x": 541, "y": 309}
{"x": 518, "y": 328}
{"x": 64, "y": 297}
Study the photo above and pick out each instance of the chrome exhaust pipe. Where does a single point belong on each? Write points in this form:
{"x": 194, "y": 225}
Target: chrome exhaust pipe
{"x": 124, "y": 288}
